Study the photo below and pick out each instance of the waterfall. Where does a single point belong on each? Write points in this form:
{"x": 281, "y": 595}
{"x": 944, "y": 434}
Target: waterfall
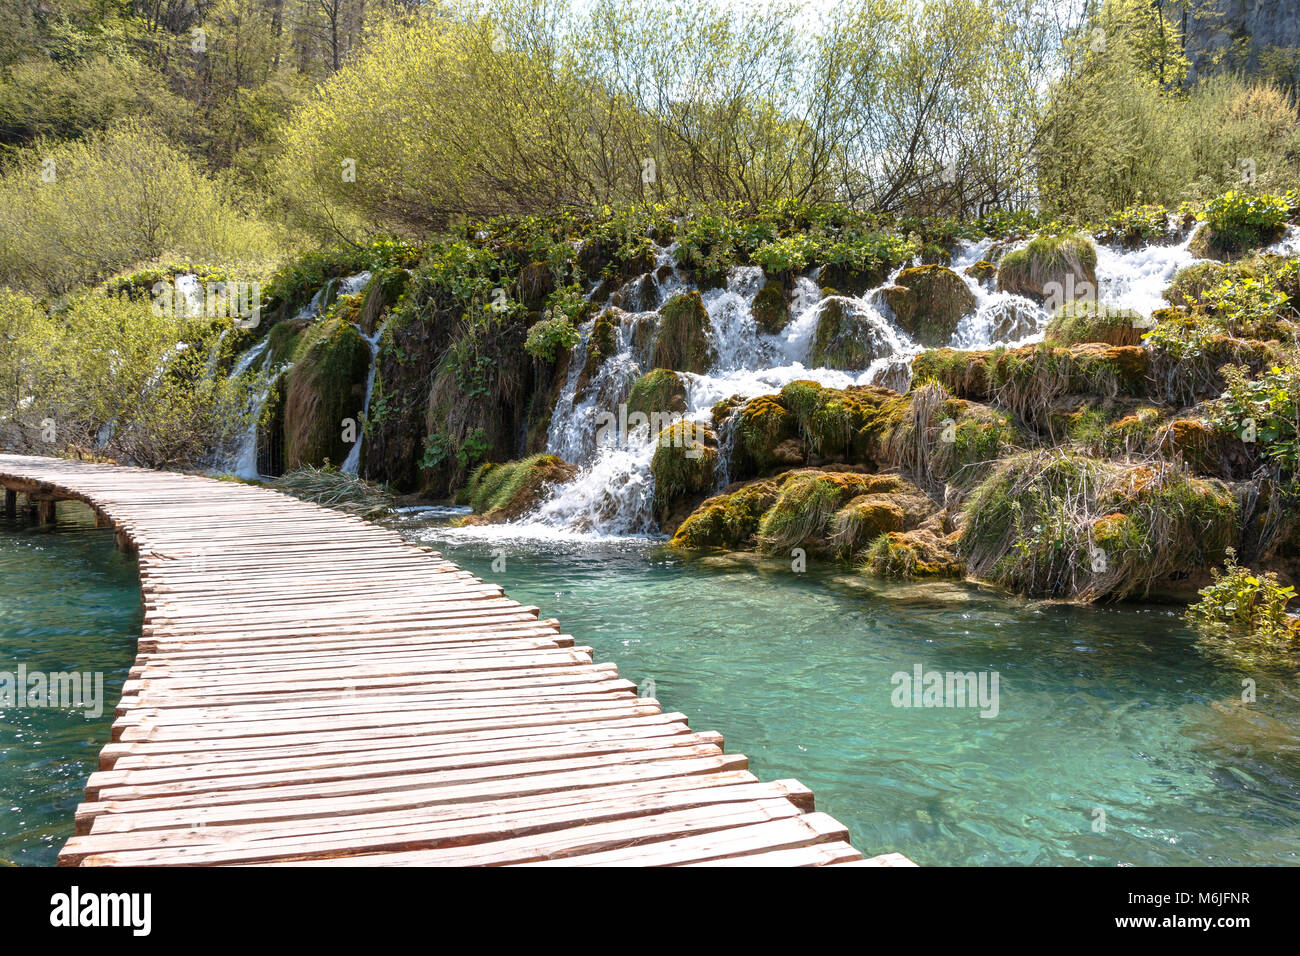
{"x": 352, "y": 463}
{"x": 243, "y": 463}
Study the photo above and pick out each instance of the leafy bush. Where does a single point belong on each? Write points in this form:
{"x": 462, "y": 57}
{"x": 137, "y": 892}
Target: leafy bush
{"x": 550, "y": 338}
{"x": 1239, "y": 221}
{"x": 1263, "y": 410}
{"x": 1242, "y": 604}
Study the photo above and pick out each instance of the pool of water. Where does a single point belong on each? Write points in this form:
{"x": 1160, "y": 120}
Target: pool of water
{"x": 69, "y": 602}
{"x": 1116, "y": 740}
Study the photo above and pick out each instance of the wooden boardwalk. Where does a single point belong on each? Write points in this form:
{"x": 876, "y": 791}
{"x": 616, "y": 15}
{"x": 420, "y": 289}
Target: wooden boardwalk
{"x": 311, "y": 689}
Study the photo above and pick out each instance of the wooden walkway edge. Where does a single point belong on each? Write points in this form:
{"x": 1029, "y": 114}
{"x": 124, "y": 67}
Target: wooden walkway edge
{"x": 311, "y": 689}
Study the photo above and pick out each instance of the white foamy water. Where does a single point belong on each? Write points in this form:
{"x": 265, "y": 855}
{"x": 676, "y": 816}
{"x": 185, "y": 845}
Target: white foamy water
{"x": 1137, "y": 279}
{"x": 353, "y": 461}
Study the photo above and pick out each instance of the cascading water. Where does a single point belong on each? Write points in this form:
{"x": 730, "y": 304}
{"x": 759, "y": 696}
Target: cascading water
{"x": 613, "y": 492}
{"x": 352, "y": 463}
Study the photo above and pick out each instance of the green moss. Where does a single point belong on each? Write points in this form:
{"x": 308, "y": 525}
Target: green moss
{"x": 770, "y": 309}
{"x": 325, "y": 386}
{"x": 682, "y": 339}
{"x": 507, "y": 490}
{"x": 762, "y": 426}
{"x": 1057, "y": 524}
{"x": 381, "y": 293}
{"x": 1050, "y": 268}
{"x": 982, "y": 271}
{"x": 862, "y": 520}
{"x": 659, "y": 390}
{"x": 683, "y": 467}
{"x": 910, "y": 555}
{"x": 1086, "y": 321}
{"x": 730, "y": 520}
{"x": 845, "y": 338}
{"x": 803, "y": 509}
{"x": 928, "y": 302}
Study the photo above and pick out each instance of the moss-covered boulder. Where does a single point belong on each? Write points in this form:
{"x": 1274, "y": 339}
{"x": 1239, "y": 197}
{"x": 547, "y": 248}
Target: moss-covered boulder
{"x": 890, "y": 503}
{"x": 1052, "y": 269}
{"x": 1062, "y": 525}
{"x": 804, "y": 507}
{"x": 928, "y": 302}
{"x": 379, "y": 296}
{"x": 764, "y": 436}
{"x": 851, "y": 281}
{"x": 912, "y": 555}
{"x": 771, "y": 309}
{"x": 1086, "y": 321}
{"x": 658, "y": 391}
{"x": 601, "y": 344}
{"x": 682, "y": 337}
{"x": 282, "y": 342}
{"x": 325, "y": 386}
{"x": 683, "y": 467}
{"x": 982, "y": 271}
{"x": 848, "y": 336}
{"x": 730, "y": 520}
{"x": 505, "y": 491}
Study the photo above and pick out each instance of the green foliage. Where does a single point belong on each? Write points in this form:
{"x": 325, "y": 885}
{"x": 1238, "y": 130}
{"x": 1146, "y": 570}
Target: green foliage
{"x": 1238, "y": 221}
{"x": 1136, "y": 226}
{"x": 1248, "y": 612}
{"x": 116, "y": 199}
{"x": 106, "y": 376}
{"x": 549, "y": 338}
{"x": 1263, "y": 410}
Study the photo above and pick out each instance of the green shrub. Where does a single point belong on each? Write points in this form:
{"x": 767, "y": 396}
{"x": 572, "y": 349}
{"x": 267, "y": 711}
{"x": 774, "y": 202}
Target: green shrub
{"x": 549, "y": 338}
{"x": 1247, "y": 612}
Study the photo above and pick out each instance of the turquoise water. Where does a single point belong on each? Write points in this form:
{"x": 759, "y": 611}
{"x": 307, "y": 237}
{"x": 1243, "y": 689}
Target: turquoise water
{"x": 68, "y": 602}
{"x": 1110, "y": 709}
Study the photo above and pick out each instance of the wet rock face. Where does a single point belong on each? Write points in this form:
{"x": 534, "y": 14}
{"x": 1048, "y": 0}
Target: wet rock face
{"x": 848, "y": 337}
{"x": 682, "y": 339}
{"x": 771, "y": 309}
{"x": 325, "y": 386}
{"x": 928, "y": 302}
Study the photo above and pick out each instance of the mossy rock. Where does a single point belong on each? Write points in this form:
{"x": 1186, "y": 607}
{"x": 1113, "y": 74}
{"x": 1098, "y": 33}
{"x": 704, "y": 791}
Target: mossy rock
{"x": 847, "y": 280}
{"x": 594, "y": 255}
{"x": 659, "y": 391}
{"x": 928, "y": 302}
{"x": 862, "y": 520}
{"x": 504, "y": 491}
{"x": 770, "y": 309}
{"x": 325, "y": 386}
{"x": 283, "y": 342}
{"x": 1207, "y": 243}
{"x": 536, "y": 283}
{"x": 1190, "y": 283}
{"x": 683, "y": 466}
{"x": 911, "y": 555}
{"x": 847, "y": 337}
{"x": 380, "y": 295}
{"x": 802, "y": 512}
{"x": 601, "y": 344}
{"x": 1063, "y": 525}
{"x": 1052, "y": 269}
{"x": 682, "y": 338}
{"x": 982, "y": 271}
{"x": 730, "y": 520}
{"x": 1086, "y": 321}
{"x": 762, "y": 429}
{"x": 636, "y": 295}
{"x": 965, "y": 374}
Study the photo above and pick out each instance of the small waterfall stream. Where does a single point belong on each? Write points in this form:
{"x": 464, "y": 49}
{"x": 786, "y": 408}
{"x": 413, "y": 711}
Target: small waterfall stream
{"x": 612, "y": 494}
{"x": 353, "y": 462}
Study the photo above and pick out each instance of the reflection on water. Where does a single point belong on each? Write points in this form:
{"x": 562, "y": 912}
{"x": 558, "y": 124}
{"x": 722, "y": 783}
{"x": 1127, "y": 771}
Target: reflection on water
{"x": 1101, "y": 709}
